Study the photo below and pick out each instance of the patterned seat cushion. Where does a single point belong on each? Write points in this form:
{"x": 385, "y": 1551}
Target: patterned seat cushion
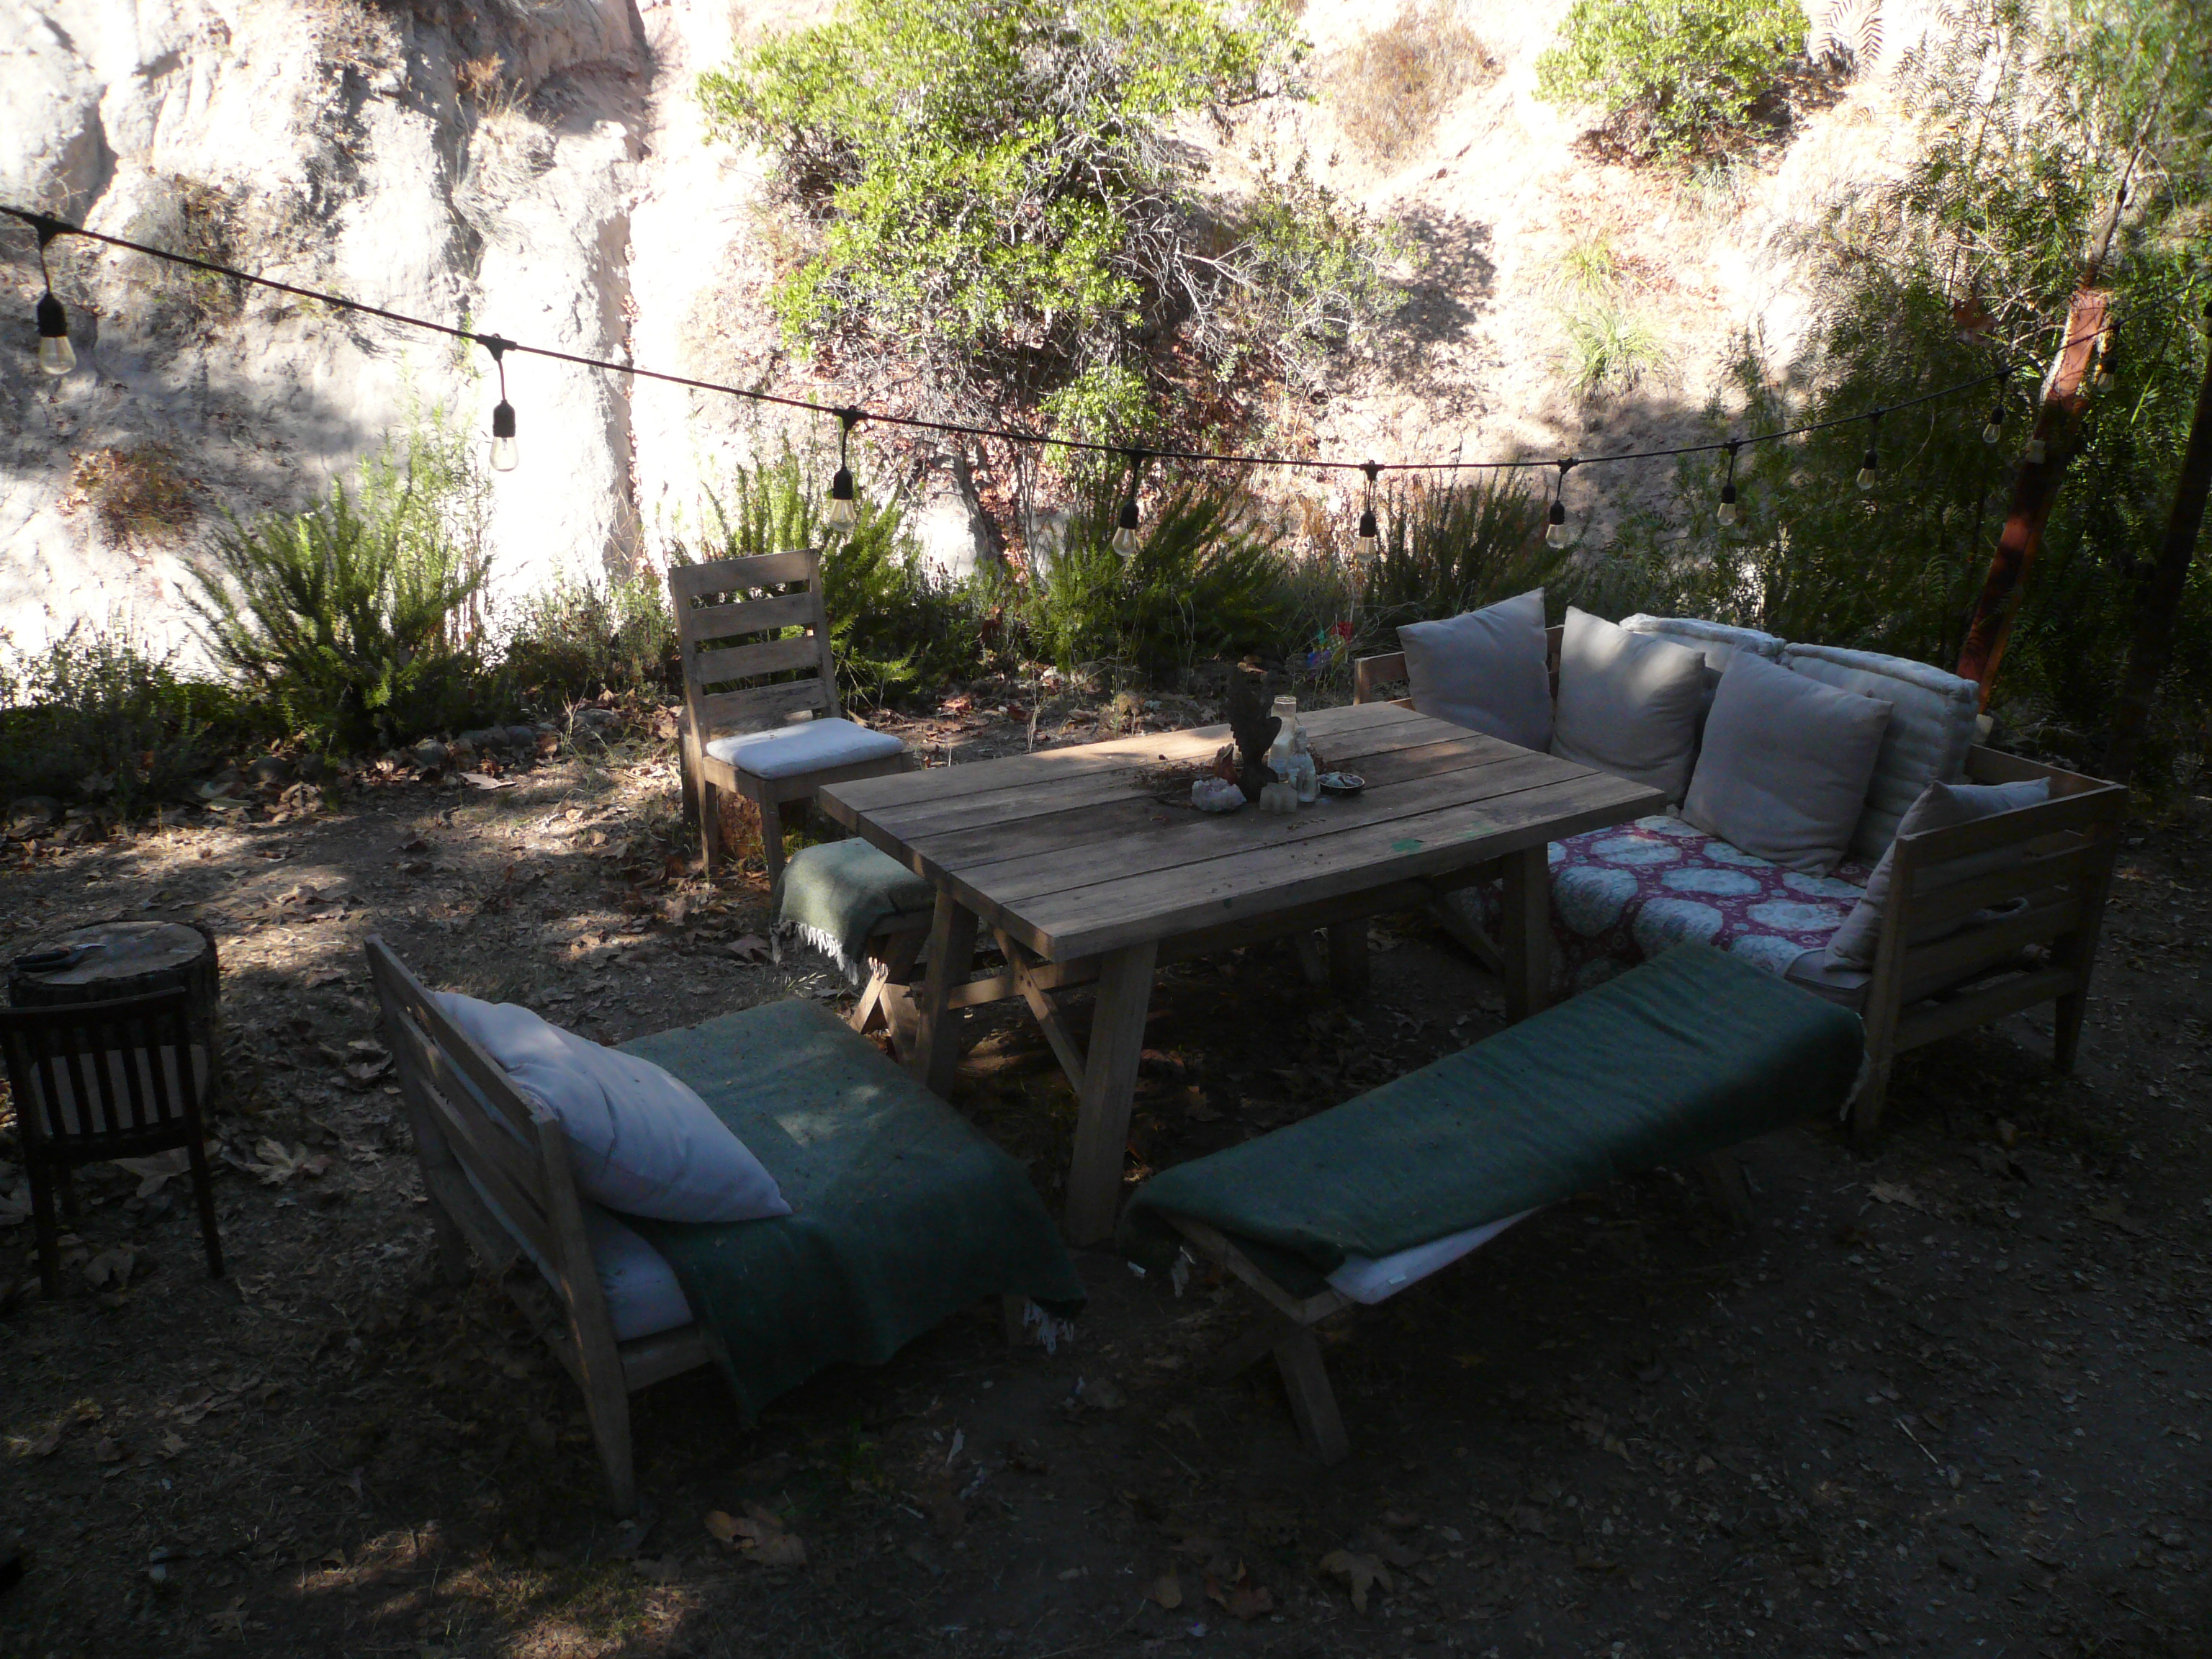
{"x": 1623, "y": 896}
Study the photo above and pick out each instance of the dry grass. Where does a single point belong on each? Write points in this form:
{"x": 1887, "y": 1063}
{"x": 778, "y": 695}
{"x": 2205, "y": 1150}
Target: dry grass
{"x": 480, "y": 78}
{"x": 137, "y": 495}
{"x": 1399, "y": 80}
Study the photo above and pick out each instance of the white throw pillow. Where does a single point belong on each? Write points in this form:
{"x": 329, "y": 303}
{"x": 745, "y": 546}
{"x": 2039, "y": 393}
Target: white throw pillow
{"x": 1931, "y": 726}
{"x": 1628, "y": 704}
{"x": 1484, "y": 670}
{"x": 1783, "y": 771}
{"x": 1941, "y": 806}
{"x": 641, "y": 1140}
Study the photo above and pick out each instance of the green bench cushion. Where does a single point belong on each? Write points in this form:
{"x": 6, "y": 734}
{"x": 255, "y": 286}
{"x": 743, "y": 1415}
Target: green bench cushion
{"x": 1678, "y": 1057}
{"x": 839, "y": 892}
{"x": 901, "y": 1213}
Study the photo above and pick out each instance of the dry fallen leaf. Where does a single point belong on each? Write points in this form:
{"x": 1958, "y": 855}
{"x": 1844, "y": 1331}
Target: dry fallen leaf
{"x": 104, "y": 1450}
{"x": 1241, "y": 1598}
{"x": 1891, "y": 1192}
{"x": 111, "y": 1268}
{"x": 162, "y": 1167}
{"x": 758, "y": 1534}
{"x": 1167, "y": 1591}
{"x": 229, "y": 1621}
{"x": 1359, "y": 1571}
{"x": 276, "y": 1166}
{"x": 485, "y": 780}
{"x": 44, "y": 1444}
{"x": 170, "y": 1443}
{"x": 751, "y": 948}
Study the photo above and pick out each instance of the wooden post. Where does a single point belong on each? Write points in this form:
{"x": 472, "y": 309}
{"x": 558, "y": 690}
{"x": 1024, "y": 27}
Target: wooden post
{"x": 2158, "y": 609}
{"x": 936, "y": 1057}
{"x": 2034, "y": 489}
{"x": 1526, "y": 934}
{"x": 1109, "y": 1084}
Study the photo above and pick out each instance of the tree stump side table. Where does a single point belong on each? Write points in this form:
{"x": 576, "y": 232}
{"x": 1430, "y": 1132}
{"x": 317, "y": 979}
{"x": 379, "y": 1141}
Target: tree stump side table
{"x": 115, "y": 959}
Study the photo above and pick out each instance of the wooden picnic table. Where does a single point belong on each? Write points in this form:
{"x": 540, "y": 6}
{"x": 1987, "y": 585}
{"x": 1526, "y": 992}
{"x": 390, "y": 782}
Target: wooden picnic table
{"x": 1084, "y": 875}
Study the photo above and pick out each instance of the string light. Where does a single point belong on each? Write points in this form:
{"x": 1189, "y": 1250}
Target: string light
{"x": 1370, "y": 538}
{"x": 1993, "y": 429}
{"x": 1555, "y": 532}
{"x": 1726, "y": 512}
{"x": 2108, "y": 355}
{"x": 843, "y": 515}
{"x": 504, "y": 454}
{"x": 56, "y": 356}
{"x": 1125, "y": 535}
{"x": 1870, "y": 463}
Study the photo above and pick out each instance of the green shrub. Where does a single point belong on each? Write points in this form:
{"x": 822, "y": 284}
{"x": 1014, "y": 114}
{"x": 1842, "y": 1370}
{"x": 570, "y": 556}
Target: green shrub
{"x": 1452, "y": 548}
{"x": 578, "y": 638}
{"x": 1609, "y": 347}
{"x": 1677, "y": 79}
{"x": 97, "y": 716}
{"x": 351, "y": 615}
{"x": 998, "y": 196}
{"x": 1208, "y": 579}
{"x": 895, "y": 628}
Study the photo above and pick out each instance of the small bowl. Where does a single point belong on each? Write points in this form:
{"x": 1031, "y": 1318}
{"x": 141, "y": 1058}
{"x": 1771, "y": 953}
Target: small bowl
{"x": 1342, "y": 783}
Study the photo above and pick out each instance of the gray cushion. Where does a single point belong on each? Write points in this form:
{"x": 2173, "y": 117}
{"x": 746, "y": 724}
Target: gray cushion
{"x": 1784, "y": 767}
{"x": 1628, "y": 704}
{"x": 1941, "y": 806}
{"x": 1931, "y": 726}
{"x": 1484, "y": 670}
{"x": 1717, "y": 642}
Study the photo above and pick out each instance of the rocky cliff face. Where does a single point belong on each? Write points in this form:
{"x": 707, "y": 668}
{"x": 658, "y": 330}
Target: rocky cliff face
{"x": 539, "y": 170}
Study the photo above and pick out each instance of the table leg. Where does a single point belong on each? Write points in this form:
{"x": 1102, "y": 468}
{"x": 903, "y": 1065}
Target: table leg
{"x": 1526, "y": 940}
{"x": 936, "y": 1054}
{"x": 1347, "y": 957}
{"x": 1110, "y": 1085}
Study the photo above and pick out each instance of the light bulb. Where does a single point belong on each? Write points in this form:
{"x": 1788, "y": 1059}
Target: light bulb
{"x": 2034, "y": 450}
{"x": 1726, "y": 514}
{"x": 1869, "y": 471}
{"x": 1555, "y": 533}
{"x": 1369, "y": 538}
{"x": 56, "y": 356}
{"x": 1993, "y": 430}
{"x": 1125, "y": 537}
{"x": 842, "y": 513}
{"x": 504, "y": 454}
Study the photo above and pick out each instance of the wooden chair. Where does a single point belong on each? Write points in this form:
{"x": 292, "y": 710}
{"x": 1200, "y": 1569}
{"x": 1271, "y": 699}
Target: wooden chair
{"x": 760, "y": 695}
{"x": 100, "y": 1080}
{"x": 467, "y": 1116}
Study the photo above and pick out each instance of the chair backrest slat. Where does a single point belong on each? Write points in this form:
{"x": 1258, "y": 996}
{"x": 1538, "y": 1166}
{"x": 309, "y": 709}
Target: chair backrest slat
{"x": 727, "y": 639}
{"x": 91, "y": 1073}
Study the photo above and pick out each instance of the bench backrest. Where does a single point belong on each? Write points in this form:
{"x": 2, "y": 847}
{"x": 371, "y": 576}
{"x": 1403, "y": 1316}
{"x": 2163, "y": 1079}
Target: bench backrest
{"x": 744, "y": 668}
{"x": 481, "y": 1144}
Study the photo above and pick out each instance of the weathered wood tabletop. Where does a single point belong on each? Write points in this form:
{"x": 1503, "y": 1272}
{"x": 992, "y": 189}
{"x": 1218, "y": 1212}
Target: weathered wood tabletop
{"x": 1083, "y": 874}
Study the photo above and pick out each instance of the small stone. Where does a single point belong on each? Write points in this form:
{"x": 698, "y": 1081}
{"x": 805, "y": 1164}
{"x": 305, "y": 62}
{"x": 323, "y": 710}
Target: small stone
{"x": 32, "y": 813}
{"x": 485, "y": 736}
{"x": 430, "y": 754}
{"x": 271, "y": 770}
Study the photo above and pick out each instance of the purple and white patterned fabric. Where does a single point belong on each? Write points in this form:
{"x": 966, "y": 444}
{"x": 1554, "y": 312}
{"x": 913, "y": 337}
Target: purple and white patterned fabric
{"x": 1624, "y": 895}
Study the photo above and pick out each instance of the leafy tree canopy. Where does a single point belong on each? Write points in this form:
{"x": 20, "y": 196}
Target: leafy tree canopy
{"x": 999, "y": 198}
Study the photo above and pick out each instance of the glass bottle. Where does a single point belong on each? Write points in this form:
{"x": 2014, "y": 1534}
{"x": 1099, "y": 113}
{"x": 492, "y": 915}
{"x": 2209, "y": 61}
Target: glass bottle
{"x": 1304, "y": 774}
{"x": 1279, "y": 753}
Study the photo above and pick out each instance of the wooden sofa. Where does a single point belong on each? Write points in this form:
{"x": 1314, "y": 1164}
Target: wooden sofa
{"x": 2043, "y": 951}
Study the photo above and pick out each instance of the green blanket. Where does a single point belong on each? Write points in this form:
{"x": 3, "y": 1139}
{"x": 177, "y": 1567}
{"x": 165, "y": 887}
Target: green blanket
{"x": 837, "y": 893}
{"x": 1675, "y": 1059}
{"x": 901, "y": 1213}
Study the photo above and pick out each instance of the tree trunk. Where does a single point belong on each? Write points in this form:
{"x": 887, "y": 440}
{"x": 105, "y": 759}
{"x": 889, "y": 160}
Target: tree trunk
{"x": 2158, "y": 610}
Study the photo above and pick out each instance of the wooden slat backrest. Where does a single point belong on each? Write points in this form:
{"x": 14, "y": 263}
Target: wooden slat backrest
{"x": 86, "y": 1073}
{"x": 465, "y": 1109}
{"x": 727, "y": 637}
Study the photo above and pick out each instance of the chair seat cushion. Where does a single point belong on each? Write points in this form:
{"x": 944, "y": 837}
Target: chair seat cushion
{"x": 1622, "y": 895}
{"x": 833, "y": 895}
{"x": 789, "y": 752}
{"x": 1684, "y": 1056}
{"x": 903, "y": 1214}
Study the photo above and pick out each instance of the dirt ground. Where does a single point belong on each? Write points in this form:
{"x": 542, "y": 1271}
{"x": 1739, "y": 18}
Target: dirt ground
{"x": 1947, "y": 1398}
